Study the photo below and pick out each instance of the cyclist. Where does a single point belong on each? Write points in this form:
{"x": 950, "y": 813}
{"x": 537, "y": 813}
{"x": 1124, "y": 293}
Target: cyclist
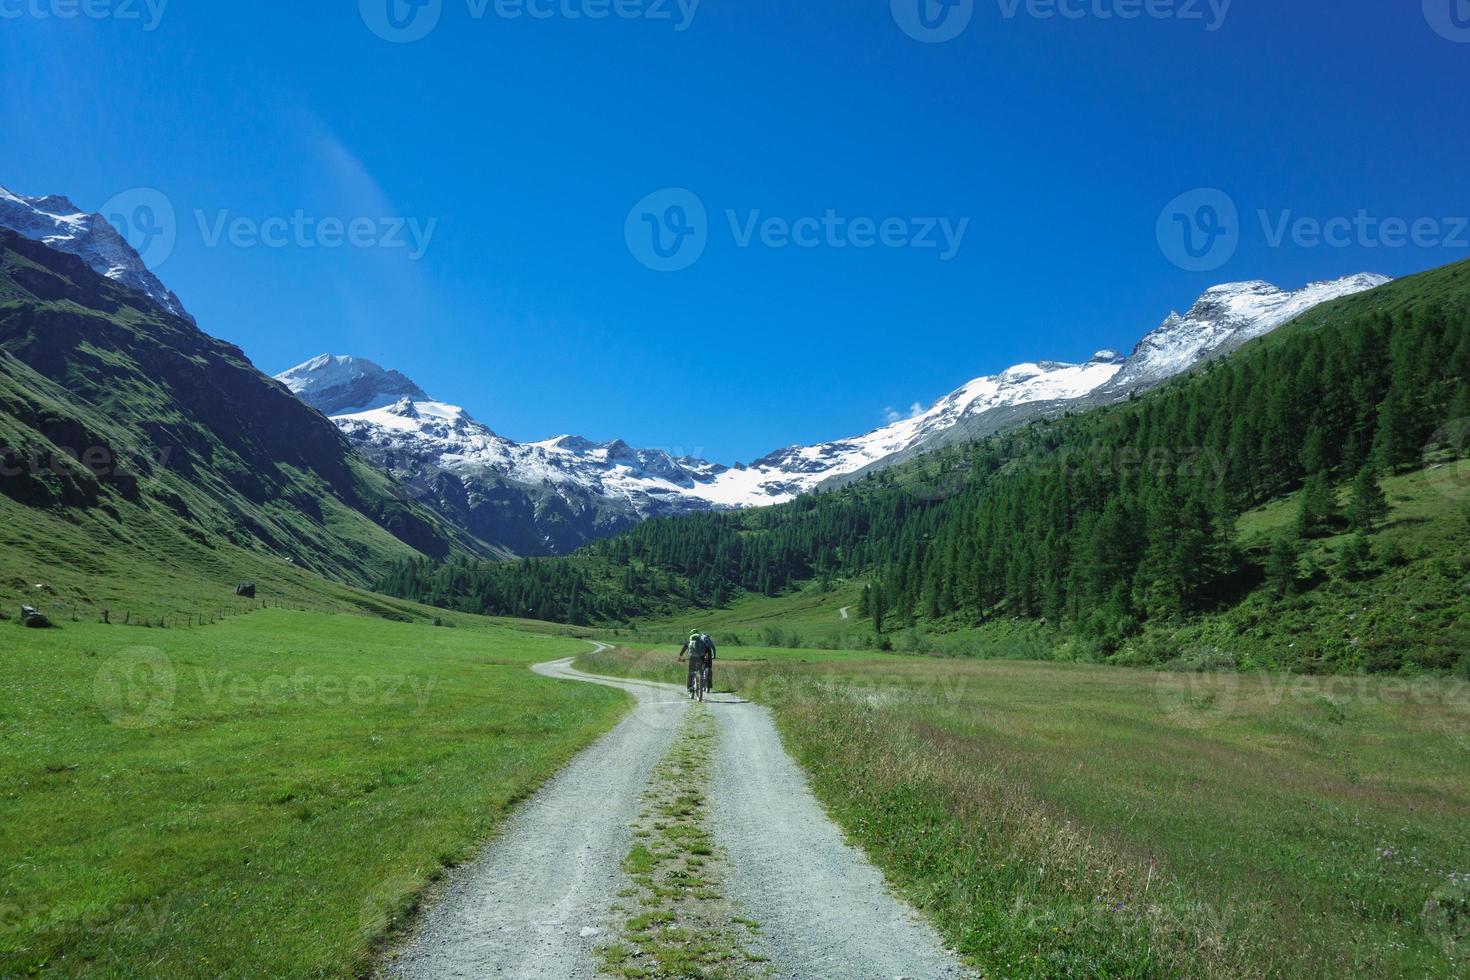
{"x": 700, "y": 651}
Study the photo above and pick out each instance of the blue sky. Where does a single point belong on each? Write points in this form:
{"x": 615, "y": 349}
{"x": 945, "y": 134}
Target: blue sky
{"x": 525, "y": 143}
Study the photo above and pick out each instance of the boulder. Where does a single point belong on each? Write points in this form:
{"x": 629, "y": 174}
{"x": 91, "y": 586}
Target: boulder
{"x": 29, "y": 617}
{"x": 246, "y": 590}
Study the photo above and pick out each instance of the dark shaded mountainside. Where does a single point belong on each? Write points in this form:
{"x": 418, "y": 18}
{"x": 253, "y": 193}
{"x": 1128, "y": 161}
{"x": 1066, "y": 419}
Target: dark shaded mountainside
{"x": 1114, "y": 525}
{"x": 156, "y": 442}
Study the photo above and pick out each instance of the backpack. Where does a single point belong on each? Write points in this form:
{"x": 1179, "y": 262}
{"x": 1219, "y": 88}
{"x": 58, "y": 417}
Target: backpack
{"x": 697, "y": 648}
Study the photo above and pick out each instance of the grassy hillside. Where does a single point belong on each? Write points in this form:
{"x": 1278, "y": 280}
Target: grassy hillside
{"x": 1069, "y": 820}
{"x": 1406, "y": 610}
{"x": 1120, "y": 534}
{"x": 260, "y": 797}
{"x": 119, "y": 418}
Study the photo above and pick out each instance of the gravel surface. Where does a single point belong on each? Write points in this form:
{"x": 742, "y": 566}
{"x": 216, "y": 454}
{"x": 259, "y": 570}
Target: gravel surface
{"x": 823, "y": 908}
{"x": 534, "y": 903}
{"x": 529, "y": 905}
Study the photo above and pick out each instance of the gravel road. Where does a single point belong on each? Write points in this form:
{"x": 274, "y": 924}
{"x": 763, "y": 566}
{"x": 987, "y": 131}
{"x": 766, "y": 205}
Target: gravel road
{"x": 823, "y": 908}
{"x": 528, "y": 906}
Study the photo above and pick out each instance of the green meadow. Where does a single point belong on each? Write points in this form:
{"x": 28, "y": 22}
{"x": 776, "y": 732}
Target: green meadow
{"x": 265, "y": 796}
{"x": 1078, "y": 820}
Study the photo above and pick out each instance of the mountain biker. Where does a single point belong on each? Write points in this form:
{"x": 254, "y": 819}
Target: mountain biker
{"x": 700, "y": 650}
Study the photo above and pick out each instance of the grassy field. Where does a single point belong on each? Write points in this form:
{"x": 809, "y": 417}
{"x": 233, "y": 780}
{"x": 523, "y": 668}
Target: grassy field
{"x": 1408, "y": 613}
{"x": 1068, "y": 820}
{"x": 83, "y": 562}
{"x": 261, "y": 797}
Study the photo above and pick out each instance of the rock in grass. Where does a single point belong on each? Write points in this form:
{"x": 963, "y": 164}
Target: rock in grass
{"x": 29, "y": 617}
{"x": 245, "y": 590}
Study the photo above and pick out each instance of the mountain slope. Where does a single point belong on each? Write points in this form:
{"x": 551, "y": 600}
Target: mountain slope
{"x": 1140, "y": 531}
{"x": 1224, "y": 318}
{"x": 553, "y": 496}
{"x": 542, "y": 498}
{"x": 56, "y": 222}
{"x": 110, "y": 406}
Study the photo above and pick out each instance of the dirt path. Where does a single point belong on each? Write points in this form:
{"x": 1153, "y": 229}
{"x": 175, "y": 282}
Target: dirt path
{"x": 844, "y": 611}
{"x": 528, "y": 905}
{"x": 823, "y": 909}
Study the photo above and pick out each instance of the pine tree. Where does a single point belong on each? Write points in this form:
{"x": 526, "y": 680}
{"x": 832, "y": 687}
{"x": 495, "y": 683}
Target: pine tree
{"x": 1369, "y": 505}
{"x": 1281, "y": 566}
{"x": 1357, "y": 556}
{"x": 1398, "y": 441}
{"x": 1317, "y": 511}
{"x": 1315, "y": 456}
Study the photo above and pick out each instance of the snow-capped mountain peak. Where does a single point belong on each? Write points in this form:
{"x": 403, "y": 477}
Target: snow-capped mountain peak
{"x": 600, "y": 487}
{"x": 1223, "y": 318}
{"x": 56, "y": 222}
{"x": 339, "y": 384}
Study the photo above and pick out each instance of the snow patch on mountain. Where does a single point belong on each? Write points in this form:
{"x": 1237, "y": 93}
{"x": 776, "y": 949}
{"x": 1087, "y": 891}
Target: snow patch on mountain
{"x": 343, "y": 385}
{"x": 1221, "y": 320}
{"x": 392, "y": 418}
{"x": 788, "y": 472}
{"x": 56, "y": 222}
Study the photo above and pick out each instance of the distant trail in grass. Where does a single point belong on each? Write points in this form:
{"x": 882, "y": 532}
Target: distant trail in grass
{"x": 844, "y": 611}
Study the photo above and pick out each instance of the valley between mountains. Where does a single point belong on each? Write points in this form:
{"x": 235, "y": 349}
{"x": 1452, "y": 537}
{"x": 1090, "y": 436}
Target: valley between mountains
{"x": 553, "y": 496}
{"x": 1147, "y": 666}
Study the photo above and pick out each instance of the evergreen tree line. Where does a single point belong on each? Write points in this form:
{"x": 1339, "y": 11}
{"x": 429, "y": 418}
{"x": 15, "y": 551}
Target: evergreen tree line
{"x": 1103, "y": 520}
{"x": 532, "y": 588}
